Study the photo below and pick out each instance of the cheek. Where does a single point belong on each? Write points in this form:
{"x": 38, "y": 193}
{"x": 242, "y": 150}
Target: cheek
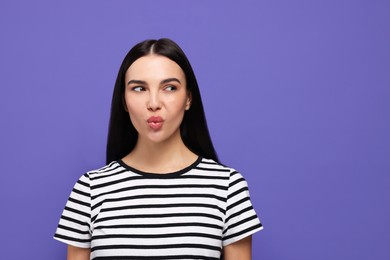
{"x": 134, "y": 112}
{"x": 177, "y": 108}
{"x": 135, "y": 120}
{"x": 177, "y": 103}
{"x": 132, "y": 104}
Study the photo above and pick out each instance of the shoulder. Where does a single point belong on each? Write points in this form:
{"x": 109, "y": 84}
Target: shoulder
{"x": 99, "y": 177}
{"x": 210, "y": 165}
{"x": 106, "y": 170}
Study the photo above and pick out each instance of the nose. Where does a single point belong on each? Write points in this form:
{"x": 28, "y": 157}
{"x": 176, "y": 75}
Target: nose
{"x": 154, "y": 103}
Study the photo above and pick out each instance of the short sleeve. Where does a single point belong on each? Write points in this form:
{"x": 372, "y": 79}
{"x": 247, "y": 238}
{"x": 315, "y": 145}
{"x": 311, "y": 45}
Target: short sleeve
{"x": 241, "y": 219}
{"x": 74, "y": 225}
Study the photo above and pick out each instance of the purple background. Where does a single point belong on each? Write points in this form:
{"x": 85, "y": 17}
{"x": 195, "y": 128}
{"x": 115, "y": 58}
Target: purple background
{"x": 297, "y": 97}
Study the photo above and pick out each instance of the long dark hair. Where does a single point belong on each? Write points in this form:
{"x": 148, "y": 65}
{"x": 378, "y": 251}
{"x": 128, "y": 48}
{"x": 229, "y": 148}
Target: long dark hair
{"x": 122, "y": 136}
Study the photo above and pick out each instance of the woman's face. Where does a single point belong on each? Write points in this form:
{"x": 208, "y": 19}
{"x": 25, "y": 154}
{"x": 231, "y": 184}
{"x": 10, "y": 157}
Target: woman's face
{"x": 156, "y": 98}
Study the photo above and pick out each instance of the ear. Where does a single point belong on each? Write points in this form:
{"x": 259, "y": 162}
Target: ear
{"x": 189, "y": 100}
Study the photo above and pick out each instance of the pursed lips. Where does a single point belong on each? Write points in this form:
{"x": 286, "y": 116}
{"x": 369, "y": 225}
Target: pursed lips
{"x": 155, "y": 122}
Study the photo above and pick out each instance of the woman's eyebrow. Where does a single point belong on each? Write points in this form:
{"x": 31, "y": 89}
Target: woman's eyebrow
{"x": 134, "y": 81}
{"x": 170, "y": 80}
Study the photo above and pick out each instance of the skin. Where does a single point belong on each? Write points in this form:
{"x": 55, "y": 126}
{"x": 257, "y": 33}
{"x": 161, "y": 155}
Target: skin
{"x": 240, "y": 250}
{"x": 78, "y": 253}
{"x": 156, "y": 86}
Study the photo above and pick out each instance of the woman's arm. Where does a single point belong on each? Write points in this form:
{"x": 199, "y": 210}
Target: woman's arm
{"x": 78, "y": 253}
{"x": 240, "y": 250}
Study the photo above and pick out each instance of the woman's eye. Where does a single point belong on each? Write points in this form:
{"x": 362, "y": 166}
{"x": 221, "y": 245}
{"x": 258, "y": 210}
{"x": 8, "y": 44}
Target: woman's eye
{"x": 138, "y": 89}
{"x": 170, "y": 88}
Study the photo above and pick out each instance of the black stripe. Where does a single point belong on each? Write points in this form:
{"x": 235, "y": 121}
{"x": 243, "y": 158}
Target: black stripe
{"x": 236, "y": 181}
{"x": 75, "y": 221}
{"x": 212, "y": 162}
{"x": 171, "y": 205}
{"x": 72, "y": 238}
{"x": 106, "y": 184}
{"x": 83, "y": 183}
{"x": 168, "y": 246}
{"x": 97, "y": 186}
{"x": 159, "y": 196}
{"x": 168, "y": 186}
{"x": 233, "y": 173}
{"x": 208, "y": 177}
{"x": 243, "y": 232}
{"x": 77, "y": 211}
{"x": 237, "y": 192}
{"x": 237, "y": 203}
{"x": 239, "y": 213}
{"x": 240, "y": 222}
{"x": 79, "y": 202}
{"x": 212, "y": 169}
{"x": 169, "y": 235}
{"x": 188, "y": 224}
{"x": 80, "y": 192}
{"x": 73, "y": 230}
{"x": 170, "y": 215}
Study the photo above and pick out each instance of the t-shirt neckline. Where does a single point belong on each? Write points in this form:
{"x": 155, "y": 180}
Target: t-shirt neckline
{"x": 161, "y": 175}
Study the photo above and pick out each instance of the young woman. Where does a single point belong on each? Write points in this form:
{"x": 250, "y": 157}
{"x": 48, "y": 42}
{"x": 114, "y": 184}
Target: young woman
{"x": 163, "y": 193}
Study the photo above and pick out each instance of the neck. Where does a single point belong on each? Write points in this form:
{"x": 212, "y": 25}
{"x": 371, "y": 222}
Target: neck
{"x": 162, "y": 157}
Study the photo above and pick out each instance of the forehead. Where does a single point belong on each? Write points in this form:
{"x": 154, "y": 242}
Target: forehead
{"x": 154, "y": 67}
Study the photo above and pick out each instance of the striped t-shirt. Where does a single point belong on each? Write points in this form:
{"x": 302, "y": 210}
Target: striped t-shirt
{"x": 123, "y": 213}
